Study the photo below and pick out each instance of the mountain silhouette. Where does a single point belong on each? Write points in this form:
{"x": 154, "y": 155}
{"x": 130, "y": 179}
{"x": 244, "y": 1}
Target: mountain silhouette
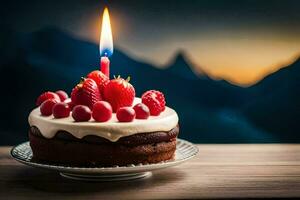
{"x": 210, "y": 111}
{"x": 181, "y": 67}
{"x": 276, "y": 102}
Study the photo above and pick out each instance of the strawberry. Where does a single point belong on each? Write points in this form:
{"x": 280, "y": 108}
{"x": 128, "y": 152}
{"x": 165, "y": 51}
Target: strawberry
{"x": 86, "y": 93}
{"x": 119, "y": 93}
{"x": 100, "y": 78}
{"x": 155, "y": 101}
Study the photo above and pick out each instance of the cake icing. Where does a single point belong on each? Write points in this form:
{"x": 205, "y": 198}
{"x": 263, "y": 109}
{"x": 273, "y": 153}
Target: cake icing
{"x": 111, "y": 130}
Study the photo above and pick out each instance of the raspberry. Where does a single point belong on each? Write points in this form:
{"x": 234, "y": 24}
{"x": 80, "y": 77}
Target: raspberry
{"x": 61, "y": 110}
{"x": 46, "y": 107}
{"x": 141, "y": 111}
{"x": 102, "y": 111}
{"x": 155, "y": 101}
{"x": 81, "y": 113}
{"x": 125, "y": 114}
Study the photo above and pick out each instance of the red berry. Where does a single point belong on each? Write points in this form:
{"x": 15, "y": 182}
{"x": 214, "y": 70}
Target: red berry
{"x": 102, "y": 111}
{"x": 125, "y": 114}
{"x": 46, "y": 95}
{"x": 86, "y": 93}
{"x": 100, "y": 78}
{"x": 119, "y": 93}
{"x": 61, "y": 110}
{"x": 142, "y": 111}
{"x": 46, "y": 107}
{"x": 81, "y": 113}
{"x": 155, "y": 101}
{"x": 70, "y": 103}
{"x": 62, "y": 95}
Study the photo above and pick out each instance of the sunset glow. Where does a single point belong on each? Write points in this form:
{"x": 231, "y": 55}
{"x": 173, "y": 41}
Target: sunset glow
{"x": 239, "y": 61}
{"x": 240, "y": 56}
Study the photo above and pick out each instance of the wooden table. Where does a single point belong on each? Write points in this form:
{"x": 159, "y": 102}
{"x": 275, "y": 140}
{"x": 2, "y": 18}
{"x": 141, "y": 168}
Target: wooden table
{"x": 219, "y": 171}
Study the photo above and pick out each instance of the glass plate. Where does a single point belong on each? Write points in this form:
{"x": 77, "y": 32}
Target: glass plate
{"x": 184, "y": 151}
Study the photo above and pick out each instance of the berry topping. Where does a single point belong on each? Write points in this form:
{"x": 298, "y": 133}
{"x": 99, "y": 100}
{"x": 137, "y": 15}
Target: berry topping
{"x": 81, "y": 113}
{"x": 46, "y": 107}
{"x": 125, "y": 114}
{"x": 62, "y": 95}
{"x": 46, "y": 95}
{"x": 155, "y": 101}
{"x": 100, "y": 78}
{"x": 102, "y": 111}
{"x": 141, "y": 111}
{"x": 86, "y": 93}
{"x": 119, "y": 93}
{"x": 61, "y": 110}
{"x": 70, "y": 103}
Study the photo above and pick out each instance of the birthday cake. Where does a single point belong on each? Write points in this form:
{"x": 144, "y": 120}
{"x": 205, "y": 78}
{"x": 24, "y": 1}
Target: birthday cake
{"x": 102, "y": 124}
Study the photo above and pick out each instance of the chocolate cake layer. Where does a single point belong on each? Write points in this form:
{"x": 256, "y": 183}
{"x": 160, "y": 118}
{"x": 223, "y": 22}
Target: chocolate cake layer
{"x": 96, "y": 151}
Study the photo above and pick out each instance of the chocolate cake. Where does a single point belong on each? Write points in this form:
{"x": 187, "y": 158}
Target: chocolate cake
{"x": 64, "y": 141}
{"x": 92, "y": 150}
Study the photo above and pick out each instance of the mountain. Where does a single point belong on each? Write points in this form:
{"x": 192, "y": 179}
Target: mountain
{"x": 181, "y": 67}
{"x": 276, "y": 102}
{"x": 210, "y": 111}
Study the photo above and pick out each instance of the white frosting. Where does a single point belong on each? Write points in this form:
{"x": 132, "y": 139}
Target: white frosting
{"x": 111, "y": 130}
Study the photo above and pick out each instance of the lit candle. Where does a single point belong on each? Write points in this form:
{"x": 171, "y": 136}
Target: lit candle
{"x": 106, "y": 43}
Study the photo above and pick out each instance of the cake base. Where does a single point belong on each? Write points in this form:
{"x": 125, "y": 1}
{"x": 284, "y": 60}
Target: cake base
{"x": 95, "y": 151}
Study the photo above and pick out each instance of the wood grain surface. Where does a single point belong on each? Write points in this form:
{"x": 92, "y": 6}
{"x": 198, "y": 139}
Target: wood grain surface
{"x": 218, "y": 171}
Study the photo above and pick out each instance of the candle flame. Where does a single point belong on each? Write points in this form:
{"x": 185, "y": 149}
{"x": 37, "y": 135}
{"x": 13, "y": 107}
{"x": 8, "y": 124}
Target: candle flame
{"x": 106, "y": 40}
